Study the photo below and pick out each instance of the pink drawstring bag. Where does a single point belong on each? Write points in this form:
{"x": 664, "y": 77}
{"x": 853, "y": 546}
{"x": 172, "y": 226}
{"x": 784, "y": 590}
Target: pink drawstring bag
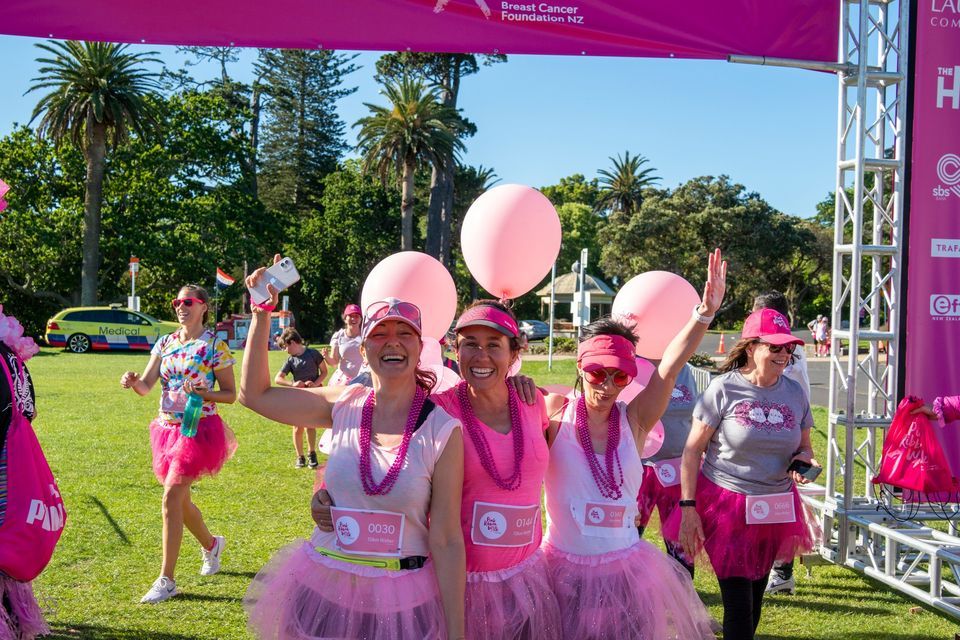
{"x": 912, "y": 456}
{"x": 35, "y": 515}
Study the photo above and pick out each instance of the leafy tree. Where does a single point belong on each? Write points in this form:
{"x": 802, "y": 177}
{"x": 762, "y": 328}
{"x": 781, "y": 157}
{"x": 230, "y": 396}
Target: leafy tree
{"x": 341, "y": 242}
{"x": 99, "y": 92}
{"x": 574, "y": 189}
{"x": 414, "y": 130}
{"x": 622, "y": 186}
{"x": 303, "y": 136}
{"x": 445, "y": 71}
{"x": 469, "y": 183}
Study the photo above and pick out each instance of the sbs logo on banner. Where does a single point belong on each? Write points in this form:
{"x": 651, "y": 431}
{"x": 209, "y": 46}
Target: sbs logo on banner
{"x": 948, "y": 173}
{"x": 945, "y": 306}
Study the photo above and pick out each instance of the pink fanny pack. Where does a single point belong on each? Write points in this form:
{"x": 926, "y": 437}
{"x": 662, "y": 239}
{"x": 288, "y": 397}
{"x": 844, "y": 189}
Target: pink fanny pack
{"x": 34, "y": 515}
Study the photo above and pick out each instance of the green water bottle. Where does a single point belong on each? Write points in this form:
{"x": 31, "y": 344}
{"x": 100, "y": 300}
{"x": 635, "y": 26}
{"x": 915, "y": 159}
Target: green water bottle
{"x": 191, "y": 415}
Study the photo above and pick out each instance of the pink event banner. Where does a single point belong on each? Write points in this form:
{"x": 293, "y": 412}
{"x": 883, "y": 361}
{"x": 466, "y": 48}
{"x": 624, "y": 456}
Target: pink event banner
{"x": 804, "y": 29}
{"x": 932, "y": 349}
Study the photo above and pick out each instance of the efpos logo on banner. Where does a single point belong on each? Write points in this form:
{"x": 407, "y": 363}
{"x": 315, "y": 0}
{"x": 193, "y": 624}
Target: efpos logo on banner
{"x": 945, "y": 306}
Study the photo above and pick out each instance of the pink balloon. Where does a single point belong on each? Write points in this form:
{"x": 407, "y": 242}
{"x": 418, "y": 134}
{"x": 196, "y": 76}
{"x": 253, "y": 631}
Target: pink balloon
{"x": 418, "y": 278}
{"x": 659, "y": 303}
{"x": 446, "y": 378}
{"x": 510, "y": 238}
{"x": 654, "y": 441}
{"x": 515, "y": 367}
{"x": 431, "y": 354}
{"x": 644, "y": 371}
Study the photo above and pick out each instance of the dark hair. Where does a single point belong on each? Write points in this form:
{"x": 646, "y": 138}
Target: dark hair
{"x": 290, "y": 335}
{"x": 425, "y": 379}
{"x": 515, "y": 345}
{"x": 201, "y": 293}
{"x": 609, "y": 326}
{"x": 605, "y": 326}
{"x": 772, "y": 300}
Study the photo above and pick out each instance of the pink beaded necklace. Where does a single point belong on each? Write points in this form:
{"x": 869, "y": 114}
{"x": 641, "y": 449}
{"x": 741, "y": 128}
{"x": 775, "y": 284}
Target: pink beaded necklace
{"x": 370, "y": 487}
{"x": 469, "y": 419}
{"x": 606, "y": 481}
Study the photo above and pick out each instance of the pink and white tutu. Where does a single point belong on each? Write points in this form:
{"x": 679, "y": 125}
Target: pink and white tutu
{"x": 516, "y": 603}
{"x": 637, "y": 593}
{"x": 653, "y": 494}
{"x": 177, "y": 458}
{"x": 303, "y": 595}
{"x": 20, "y": 615}
{"x": 737, "y": 549}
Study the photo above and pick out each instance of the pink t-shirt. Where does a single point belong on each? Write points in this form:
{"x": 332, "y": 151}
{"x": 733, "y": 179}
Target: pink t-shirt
{"x": 478, "y": 486}
{"x": 411, "y": 493}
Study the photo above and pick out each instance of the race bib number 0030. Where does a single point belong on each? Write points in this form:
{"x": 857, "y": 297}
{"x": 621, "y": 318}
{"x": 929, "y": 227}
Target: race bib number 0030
{"x": 368, "y": 533}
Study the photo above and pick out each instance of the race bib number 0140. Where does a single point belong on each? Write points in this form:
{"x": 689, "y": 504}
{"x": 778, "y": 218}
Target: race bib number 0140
{"x": 501, "y": 525}
{"x": 368, "y": 533}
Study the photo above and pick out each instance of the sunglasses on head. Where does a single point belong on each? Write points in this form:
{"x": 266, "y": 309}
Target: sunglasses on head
{"x": 395, "y": 308}
{"x": 777, "y": 348}
{"x": 187, "y": 302}
{"x": 599, "y": 377}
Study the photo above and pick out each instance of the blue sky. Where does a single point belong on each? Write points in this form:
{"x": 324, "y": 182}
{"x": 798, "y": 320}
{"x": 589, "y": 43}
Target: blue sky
{"x": 541, "y": 118}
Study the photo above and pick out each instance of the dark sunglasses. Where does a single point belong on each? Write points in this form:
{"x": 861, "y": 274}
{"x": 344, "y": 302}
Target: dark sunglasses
{"x": 777, "y": 348}
{"x": 599, "y": 377}
{"x": 187, "y": 302}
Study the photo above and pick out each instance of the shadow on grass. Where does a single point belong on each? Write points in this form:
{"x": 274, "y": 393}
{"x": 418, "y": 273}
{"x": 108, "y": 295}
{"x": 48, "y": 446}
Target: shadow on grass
{"x": 113, "y": 523}
{"x": 96, "y": 632}
{"x": 239, "y": 574}
{"x": 203, "y": 597}
{"x": 863, "y": 635}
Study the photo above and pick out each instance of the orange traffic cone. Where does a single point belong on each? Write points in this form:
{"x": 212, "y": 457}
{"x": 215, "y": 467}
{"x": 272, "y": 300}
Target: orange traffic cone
{"x": 721, "y": 348}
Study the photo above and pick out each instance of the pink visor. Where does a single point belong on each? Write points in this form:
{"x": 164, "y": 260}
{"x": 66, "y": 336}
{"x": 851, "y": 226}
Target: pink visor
{"x": 605, "y": 351}
{"x": 351, "y": 309}
{"x": 487, "y": 316}
{"x": 770, "y": 326}
{"x": 390, "y": 309}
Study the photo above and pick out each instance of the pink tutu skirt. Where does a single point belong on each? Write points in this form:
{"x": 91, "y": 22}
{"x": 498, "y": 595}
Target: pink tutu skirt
{"x": 303, "y": 595}
{"x": 737, "y": 549}
{"x": 653, "y": 494}
{"x": 24, "y": 620}
{"x": 637, "y": 593}
{"x": 516, "y": 603}
{"x": 177, "y": 458}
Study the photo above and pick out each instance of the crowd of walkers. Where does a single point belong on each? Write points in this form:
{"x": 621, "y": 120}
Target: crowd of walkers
{"x": 429, "y": 523}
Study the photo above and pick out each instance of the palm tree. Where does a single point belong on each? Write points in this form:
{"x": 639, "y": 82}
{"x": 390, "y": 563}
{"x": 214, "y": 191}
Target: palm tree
{"x": 621, "y": 188}
{"x": 414, "y": 131}
{"x": 97, "y": 91}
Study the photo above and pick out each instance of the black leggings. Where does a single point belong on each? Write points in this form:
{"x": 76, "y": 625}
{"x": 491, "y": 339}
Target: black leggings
{"x": 742, "y": 602}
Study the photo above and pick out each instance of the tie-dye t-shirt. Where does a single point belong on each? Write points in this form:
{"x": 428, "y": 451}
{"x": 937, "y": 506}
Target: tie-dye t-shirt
{"x": 757, "y": 433}
{"x": 192, "y": 360}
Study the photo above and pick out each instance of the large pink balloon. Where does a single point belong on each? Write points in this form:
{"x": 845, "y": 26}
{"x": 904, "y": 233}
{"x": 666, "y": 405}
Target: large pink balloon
{"x": 655, "y": 436}
{"x": 659, "y": 303}
{"x": 417, "y": 278}
{"x": 510, "y": 238}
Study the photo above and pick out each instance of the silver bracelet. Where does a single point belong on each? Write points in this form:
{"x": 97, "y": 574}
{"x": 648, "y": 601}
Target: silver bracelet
{"x": 701, "y": 318}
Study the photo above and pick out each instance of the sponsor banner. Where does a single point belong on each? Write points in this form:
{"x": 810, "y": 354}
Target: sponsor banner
{"x": 933, "y": 283}
{"x": 805, "y": 29}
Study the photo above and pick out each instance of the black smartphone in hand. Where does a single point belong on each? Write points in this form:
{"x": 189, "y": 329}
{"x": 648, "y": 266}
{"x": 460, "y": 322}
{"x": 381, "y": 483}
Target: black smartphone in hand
{"x": 806, "y": 470}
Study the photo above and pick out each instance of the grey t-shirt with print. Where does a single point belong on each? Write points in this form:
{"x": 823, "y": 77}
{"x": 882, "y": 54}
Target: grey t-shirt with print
{"x": 757, "y": 433}
{"x": 678, "y": 417}
{"x": 304, "y": 367}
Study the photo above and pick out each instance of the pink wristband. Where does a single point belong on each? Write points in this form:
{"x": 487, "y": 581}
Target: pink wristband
{"x": 262, "y": 307}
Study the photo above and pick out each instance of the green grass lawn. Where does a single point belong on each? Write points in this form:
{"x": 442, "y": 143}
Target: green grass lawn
{"x": 95, "y": 437}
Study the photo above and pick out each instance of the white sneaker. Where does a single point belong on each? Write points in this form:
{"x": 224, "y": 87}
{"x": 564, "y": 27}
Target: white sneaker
{"x": 211, "y": 559}
{"x": 163, "y": 588}
{"x": 777, "y": 584}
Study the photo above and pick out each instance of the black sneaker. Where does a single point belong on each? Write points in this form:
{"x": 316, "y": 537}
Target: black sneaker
{"x": 313, "y": 464}
{"x": 301, "y": 462}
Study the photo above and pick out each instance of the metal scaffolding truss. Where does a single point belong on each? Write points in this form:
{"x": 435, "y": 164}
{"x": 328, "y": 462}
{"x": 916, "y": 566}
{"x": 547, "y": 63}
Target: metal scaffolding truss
{"x": 921, "y": 561}
{"x": 864, "y": 529}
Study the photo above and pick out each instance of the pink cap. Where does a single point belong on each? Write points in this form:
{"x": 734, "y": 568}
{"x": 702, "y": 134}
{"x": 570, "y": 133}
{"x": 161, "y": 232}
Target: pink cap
{"x": 390, "y": 309}
{"x": 488, "y": 316}
{"x": 351, "y": 309}
{"x": 600, "y": 352}
{"x": 770, "y": 326}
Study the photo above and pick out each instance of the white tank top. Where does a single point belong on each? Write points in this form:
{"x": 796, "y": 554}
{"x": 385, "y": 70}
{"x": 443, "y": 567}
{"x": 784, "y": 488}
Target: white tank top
{"x": 579, "y": 519}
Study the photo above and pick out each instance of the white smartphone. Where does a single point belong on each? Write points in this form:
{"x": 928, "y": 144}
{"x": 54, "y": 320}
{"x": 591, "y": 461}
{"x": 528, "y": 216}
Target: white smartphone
{"x": 281, "y": 275}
